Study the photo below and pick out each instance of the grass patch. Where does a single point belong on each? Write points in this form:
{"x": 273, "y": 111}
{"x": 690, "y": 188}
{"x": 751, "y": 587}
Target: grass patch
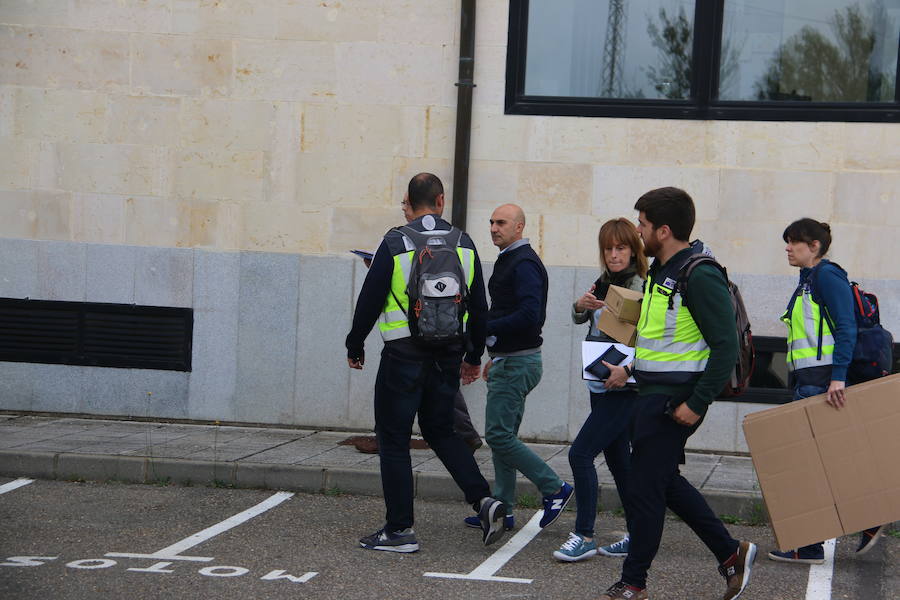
{"x": 528, "y": 501}
{"x": 333, "y": 491}
{"x": 221, "y": 483}
{"x": 161, "y": 481}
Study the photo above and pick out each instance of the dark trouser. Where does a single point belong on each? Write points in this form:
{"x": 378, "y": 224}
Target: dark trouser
{"x": 462, "y": 422}
{"x": 608, "y": 430}
{"x": 654, "y": 483}
{"x": 406, "y": 387}
{"x": 800, "y": 392}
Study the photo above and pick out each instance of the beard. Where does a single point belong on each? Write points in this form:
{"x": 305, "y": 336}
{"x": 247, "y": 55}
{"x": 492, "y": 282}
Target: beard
{"x": 651, "y": 247}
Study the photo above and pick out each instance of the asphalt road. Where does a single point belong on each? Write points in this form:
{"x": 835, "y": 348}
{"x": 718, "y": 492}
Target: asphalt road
{"x": 67, "y": 540}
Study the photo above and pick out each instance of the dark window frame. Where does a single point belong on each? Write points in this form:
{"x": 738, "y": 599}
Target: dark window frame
{"x": 708, "y": 19}
{"x": 96, "y": 334}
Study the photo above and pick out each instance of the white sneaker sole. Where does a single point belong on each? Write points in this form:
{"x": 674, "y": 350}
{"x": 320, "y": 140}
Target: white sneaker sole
{"x": 611, "y": 554}
{"x": 800, "y": 561}
{"x": 748, "y": 570}
{"x": 567, "y": 558}
{"x": 871, "y": 543}
{"x": 405, "y": 548}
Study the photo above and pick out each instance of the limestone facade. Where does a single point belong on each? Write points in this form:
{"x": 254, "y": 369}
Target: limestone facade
{"x": 293, "y": 125}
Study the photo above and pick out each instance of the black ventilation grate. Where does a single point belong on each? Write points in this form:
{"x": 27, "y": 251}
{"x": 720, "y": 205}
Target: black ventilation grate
{"x": 102, "y": 335}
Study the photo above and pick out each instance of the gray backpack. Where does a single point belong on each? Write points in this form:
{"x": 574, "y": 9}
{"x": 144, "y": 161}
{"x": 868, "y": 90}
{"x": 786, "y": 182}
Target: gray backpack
{"x": 437, "y": 288}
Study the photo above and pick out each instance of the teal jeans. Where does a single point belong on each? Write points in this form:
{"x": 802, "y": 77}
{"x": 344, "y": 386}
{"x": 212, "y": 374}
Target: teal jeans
{"x": 510, "y": 380}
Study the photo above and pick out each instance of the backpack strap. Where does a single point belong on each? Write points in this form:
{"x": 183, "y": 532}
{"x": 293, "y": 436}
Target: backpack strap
{"x": 684, "y": 273}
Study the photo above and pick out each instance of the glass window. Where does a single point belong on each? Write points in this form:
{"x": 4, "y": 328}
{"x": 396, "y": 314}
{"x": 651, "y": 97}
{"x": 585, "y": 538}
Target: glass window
{"x": 620, "y": 49}
{"x": 809, "y": 50}
{"x": 707, "y": 59}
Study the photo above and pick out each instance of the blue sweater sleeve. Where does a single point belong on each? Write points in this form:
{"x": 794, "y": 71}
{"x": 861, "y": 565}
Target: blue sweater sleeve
{"x": 834, "y": 290}
{"x": 529, "y": 296}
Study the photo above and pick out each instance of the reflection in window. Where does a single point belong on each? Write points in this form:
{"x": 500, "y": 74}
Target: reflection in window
{"x": 609, "y": 49}
{"x": 810, "y": 50}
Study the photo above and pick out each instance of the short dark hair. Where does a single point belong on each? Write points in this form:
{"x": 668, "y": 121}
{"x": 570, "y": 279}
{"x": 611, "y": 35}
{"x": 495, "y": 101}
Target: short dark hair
{"x": 423, "y": 191}
{"x": 669, "y": 206}
{"x": 809, "y": 230}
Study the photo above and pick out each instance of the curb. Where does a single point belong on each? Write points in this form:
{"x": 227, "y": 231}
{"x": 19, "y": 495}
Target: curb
{"x": 68, "y": 466}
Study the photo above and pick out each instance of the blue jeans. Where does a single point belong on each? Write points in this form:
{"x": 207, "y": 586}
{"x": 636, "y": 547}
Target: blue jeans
{"x": 510, "y": 381}
{"x": 800, "y": 392}
{"x": 608, "y": 430}
{"x": 404, "y": 388}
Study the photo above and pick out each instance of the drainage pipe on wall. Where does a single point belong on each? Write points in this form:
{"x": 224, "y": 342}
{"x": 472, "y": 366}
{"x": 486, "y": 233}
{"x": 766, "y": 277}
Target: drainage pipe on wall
{"x": 464, "y": 85}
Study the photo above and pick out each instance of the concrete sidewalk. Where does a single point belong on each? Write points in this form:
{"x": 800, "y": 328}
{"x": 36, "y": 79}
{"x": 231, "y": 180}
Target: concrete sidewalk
{"x": 293, "y": 459}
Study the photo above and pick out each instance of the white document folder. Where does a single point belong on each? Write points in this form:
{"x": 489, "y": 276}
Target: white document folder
{"x": 590, "y": 351}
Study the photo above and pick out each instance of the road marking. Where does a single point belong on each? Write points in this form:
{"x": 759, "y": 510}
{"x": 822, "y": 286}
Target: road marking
{"x": 819, "y": 585}
{"x": 174, "y": 551}
{"x": 14, "y": 485}
{"x": 485, "y": 571}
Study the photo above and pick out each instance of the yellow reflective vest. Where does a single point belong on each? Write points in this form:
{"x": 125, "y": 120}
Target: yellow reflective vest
{"x": 806, "y": 322}
{"x": 670, "y": 348}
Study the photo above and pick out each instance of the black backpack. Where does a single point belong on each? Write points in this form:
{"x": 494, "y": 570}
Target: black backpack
{"x": 743, "y": 366}
{"x": 437, "y": 288}
{"x": 873, "y": 353}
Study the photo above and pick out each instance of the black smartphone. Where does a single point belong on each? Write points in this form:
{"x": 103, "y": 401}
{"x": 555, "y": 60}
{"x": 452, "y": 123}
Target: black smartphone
{"x": 601, "y": 290}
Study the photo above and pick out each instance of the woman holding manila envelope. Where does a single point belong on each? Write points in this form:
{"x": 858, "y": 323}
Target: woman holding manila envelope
{"x": 606, "y": 428}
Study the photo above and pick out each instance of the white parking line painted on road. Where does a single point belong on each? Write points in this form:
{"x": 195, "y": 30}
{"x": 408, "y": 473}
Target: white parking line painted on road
{"x": 14, "y": 485}
{"x": 173, "y": 552}
{"x": 485, "y": 571}
{"x": 819, "y": 585}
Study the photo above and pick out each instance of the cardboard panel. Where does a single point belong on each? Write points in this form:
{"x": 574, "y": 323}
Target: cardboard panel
{"x": 834, "y": 474}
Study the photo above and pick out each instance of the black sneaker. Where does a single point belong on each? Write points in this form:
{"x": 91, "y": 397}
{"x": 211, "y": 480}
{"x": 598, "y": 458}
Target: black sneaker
{"x": 737, "y": 570}
{"x": 397, "y": 541}
{"x": 491, "y": 514}
{"x": 869, "y": 538}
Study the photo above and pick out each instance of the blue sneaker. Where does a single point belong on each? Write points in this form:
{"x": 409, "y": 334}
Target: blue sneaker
{"x": 509, "y": 521}
{"x": 575, "y": 548}
{"x": 391, "y": 541}
{"x": 555, "y": 504}
{"x": 616, "y": 549}
{"x": 805, "y": 555}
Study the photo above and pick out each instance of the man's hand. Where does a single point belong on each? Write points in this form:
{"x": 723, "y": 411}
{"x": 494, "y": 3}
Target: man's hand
{"x": 487, "y": 367}
{"x": 683, "y": 415}
{"x": 836, "y": 396}
{"x": 589, "y": 301}
{"x": 468, "y": 373}
{"x": 357, "y": 362}
{"x": 617, "y": 376}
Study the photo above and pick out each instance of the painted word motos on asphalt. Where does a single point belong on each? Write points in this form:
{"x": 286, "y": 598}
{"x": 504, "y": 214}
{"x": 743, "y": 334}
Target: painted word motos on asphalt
{"x": 158, "y": 567}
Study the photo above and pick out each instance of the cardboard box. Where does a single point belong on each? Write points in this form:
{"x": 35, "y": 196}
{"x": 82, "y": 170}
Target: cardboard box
{"x": 625, "y": 303}
{"x": 622, "y": 332}
{"x": 826, "y": 472}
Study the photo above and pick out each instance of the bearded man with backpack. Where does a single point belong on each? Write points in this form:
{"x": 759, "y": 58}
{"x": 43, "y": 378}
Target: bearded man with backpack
{"x": 426, "y": 291}
{"x": 686, "y": 351}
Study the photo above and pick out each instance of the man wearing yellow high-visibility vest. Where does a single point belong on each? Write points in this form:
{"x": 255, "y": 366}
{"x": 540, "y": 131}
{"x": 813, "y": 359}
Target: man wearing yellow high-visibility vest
{"x": 415, "y": 379}
{"x": 685, "y": 351}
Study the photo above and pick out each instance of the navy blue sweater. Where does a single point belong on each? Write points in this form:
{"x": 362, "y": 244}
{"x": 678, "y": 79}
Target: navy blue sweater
{"x": 833, "y": 290}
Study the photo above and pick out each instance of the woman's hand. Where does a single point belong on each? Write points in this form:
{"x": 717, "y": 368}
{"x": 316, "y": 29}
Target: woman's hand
{"x": 836, "y": 394}
{"x": 617, "y": 377}
{"x": 589, "y": 301}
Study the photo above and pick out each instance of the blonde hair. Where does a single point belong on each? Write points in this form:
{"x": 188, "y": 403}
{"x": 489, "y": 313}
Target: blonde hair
{"x": 623, "y": 231}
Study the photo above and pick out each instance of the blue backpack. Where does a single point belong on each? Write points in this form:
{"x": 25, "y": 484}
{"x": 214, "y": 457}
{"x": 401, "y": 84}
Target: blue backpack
{"x": 873, "y": 353}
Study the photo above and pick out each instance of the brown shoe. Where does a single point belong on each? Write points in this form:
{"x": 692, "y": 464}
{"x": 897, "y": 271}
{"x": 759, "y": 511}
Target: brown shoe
{"x": 623, "y": 591}
{"x": 737, "y": 569}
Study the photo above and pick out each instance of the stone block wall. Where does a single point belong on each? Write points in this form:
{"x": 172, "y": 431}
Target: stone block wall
{"x": 294, "y": 125}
